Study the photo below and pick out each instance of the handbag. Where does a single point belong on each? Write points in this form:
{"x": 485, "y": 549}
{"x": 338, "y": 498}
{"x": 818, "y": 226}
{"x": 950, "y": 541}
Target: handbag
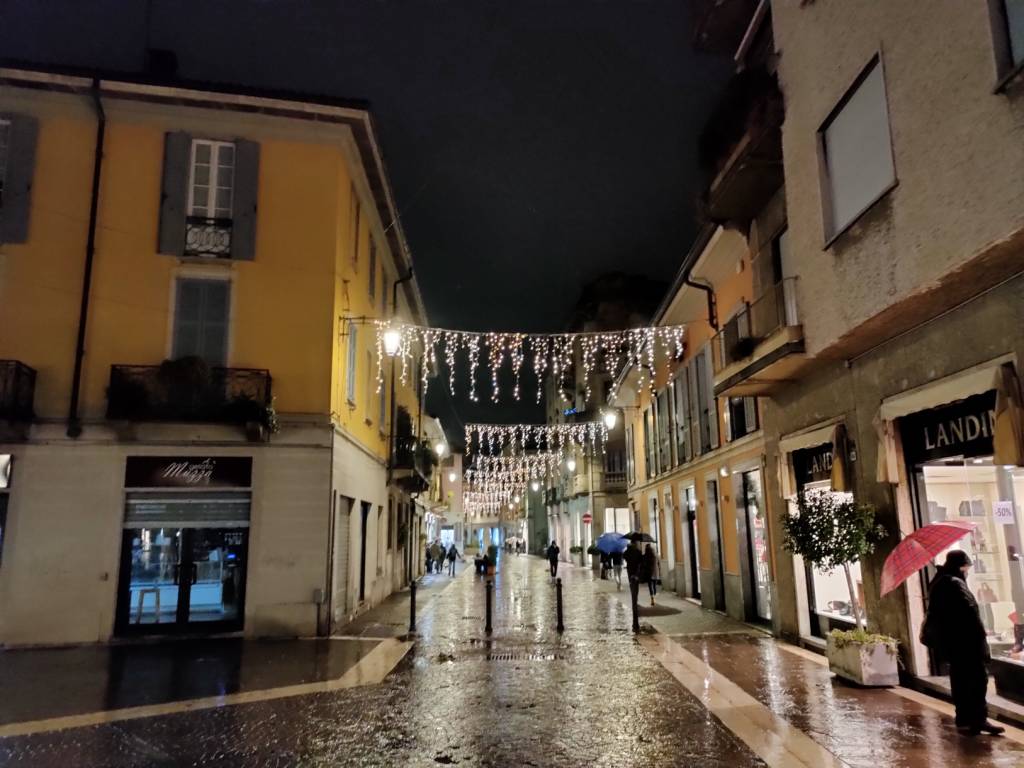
{"x": 930, "y": 636}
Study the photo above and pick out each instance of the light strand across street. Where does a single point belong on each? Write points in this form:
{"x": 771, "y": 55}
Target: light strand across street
{"x": 554, "y": 354}
{"x": 493, "y": 439}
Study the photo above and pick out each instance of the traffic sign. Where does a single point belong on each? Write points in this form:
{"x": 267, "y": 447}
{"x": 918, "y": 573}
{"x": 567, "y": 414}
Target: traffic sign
{"x": 587, "y": 518}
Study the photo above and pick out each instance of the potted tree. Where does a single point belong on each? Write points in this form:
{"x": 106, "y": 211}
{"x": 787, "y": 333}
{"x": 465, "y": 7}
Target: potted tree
{"x": 829, "y": 531}
{"x": 577, "y": 554}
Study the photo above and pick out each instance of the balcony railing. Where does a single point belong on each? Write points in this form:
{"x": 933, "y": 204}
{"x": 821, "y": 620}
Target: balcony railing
{"x": 415, "y": 459}
{"x": 208, "y": 237}
{"x": 188, "y": 391}
{"x": 718, "y": 26}
{"x": 773, "y": 310}
{"x": 17, "y": 391}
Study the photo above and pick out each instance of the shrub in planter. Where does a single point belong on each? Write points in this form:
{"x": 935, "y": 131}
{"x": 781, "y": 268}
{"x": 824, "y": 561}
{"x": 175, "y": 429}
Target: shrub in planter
{"x": 864, "y": 657}
{"x": 575, "y": 549}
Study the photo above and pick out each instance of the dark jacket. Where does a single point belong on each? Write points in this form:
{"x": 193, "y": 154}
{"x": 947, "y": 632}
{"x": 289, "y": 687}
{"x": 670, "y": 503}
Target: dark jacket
{"x": 648, "y": 567}
{"x": 617, "y": 559}
{"x": 633, "y": 557}
{"x": 553, "y": 551}
{"x": 954, "y": 627}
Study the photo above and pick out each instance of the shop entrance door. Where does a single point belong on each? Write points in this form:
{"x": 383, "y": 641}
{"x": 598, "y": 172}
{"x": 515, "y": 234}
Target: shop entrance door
{"x": 757, "y": 544}
{"x": 176, "y": 579}
{"x": 717, "y": 556}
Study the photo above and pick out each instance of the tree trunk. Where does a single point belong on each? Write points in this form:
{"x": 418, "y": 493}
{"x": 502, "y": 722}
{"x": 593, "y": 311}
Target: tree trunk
{"x": 853, "y": 594}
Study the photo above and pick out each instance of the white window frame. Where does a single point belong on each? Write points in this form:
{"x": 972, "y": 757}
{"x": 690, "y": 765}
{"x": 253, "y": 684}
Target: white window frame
{"x": 210, "y": 210}
{"x": 5, "y": 148}
{"x": 833, "y": 229}
{"x": 198, "y": 273}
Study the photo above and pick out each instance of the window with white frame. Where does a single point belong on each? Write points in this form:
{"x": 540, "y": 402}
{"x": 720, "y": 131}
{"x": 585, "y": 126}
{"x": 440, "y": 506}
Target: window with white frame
{"x": 201, "y": 320}
{"x": 212, "y": 179}
{"x": 1013, "y": 15}
{"x": 353, "y": 356}
{"x": 856, "y": 149}
{"x": 5, "y": 139}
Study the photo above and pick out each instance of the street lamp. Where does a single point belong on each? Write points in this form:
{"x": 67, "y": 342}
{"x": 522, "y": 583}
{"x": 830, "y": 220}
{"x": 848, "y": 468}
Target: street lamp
{"x": 452, "y": 476}
{"x": 392, "y": 341}
{"x": 440, "y": 448}
{"x": 535, "y": 486}
{"x": 611, "y": 418}
{"x": 571, "y": 464}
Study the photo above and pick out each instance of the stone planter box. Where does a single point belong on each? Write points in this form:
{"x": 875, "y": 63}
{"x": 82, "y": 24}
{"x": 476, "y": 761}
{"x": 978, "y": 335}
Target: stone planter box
{"x": 869, "y": 665}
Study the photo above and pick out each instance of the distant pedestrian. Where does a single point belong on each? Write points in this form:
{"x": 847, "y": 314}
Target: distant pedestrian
{"x": 437, "y": 555}
{"x": 617, "y": 568}
{"x": 953, "y": 628}
{"x": 429, "y": 560}
{"x": 453, "y": 553}
{"x": 552, "y": 554}
{"x": 650, "y": 571}
{"x": 606, "y": 564}
{"x": 633, "y": 558}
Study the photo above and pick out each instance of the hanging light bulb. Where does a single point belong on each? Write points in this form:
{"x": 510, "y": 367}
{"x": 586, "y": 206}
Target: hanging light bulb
{"x": 392, "y": 341}
{"x": 610, "y": 418}
{"x": 516, "y": 498}
{"x": 571, "y": 464}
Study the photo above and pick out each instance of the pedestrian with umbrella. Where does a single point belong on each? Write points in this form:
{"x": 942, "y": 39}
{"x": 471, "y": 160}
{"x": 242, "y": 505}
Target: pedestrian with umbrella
{"x": 953, "y": 628}
{"x": 611, "y": 546}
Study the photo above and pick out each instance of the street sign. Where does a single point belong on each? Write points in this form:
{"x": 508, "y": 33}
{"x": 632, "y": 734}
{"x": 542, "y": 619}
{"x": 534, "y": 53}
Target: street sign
{"x": 587, "y": 518}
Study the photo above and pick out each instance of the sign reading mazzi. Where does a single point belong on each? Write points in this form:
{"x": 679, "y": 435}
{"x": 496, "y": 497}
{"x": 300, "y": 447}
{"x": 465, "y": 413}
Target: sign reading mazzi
{"x": 188, "y": 472}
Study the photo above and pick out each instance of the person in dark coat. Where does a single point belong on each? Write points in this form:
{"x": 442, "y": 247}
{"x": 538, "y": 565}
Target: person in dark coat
{"x": 650, "y": 571}
{"x": 953, "y": 628}
{"x": 552, "y": 554}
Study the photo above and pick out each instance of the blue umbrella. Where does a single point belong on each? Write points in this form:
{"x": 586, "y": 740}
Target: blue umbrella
{"x": 611, "y": 542}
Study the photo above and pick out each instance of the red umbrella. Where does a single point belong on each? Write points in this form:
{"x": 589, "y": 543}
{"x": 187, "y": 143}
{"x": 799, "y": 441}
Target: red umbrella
{"x": 920, "y": 548}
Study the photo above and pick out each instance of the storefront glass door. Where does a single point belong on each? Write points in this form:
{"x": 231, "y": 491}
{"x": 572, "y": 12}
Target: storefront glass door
{"x": 758, "y": 544}
{"x": 176, "y": 579}
{"x": 691, "y": 516}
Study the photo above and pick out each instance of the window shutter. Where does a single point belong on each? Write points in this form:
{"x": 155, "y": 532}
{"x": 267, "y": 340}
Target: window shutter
{"x": 685, "y": 419}
{"x": 696, "y": 442}
{"x": 246, "y": 187}
{"x": 750, "y": 412}
{"x": 712, "y": 403}
{"x": 21, "y": 160}
{"x": 174, "y": 193}
{"x": 728, "y": 421}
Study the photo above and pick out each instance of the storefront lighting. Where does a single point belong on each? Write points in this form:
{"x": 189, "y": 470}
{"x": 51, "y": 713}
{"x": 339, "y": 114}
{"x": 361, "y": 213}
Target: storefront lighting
{"x": 392, "y": 341}
{"x": 571, "y": 465}
{"x": 723, "y": 471}
{"x": 1009, "y": 467}
{"x": 611, "y": 418}
{"x": 451, "y": 477}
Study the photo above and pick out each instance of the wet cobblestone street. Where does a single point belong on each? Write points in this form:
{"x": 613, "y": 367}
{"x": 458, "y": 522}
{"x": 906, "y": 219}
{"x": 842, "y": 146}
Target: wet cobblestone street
{"x": 529, "y": 696}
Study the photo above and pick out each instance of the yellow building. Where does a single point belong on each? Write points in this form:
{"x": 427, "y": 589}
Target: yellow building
{"x": 198, "y": 440}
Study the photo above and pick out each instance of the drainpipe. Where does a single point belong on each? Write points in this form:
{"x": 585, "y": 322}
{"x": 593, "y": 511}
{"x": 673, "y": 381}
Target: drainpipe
{"x": 74, "y": 424}
{"x": 393, "y": 410}
{"x": 712, "y": 306}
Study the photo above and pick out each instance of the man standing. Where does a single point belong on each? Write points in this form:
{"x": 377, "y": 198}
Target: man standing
{"x": 452, "y": 554}
{"x": 634, "y": 560}
{"x": 553, "y": 551}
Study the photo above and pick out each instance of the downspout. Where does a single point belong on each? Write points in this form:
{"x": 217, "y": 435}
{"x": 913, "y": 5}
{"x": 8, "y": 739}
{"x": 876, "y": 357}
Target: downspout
{"x": 74, "y": 424}
{"x": 391, "y": 434}
{"x": 712, "y": 306}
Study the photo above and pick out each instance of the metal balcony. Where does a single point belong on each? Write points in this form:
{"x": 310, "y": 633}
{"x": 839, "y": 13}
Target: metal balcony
{"x": 412, "y": 463}
{"x": 719, "y": 25}
{"x": 187, "y": 390}
{"x": 209, "y": 238}
{"x": 17, "y": 391}
{"x": 741, "y": 148}
{"x": 761, "y": 346}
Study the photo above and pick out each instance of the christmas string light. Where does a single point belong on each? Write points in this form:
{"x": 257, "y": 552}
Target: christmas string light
{"x": 495, "y": 438}
{"x": 556, "y": 354}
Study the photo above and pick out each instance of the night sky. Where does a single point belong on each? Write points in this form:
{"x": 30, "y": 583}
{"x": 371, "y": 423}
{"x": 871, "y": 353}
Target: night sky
{"x": 532, "y": 145}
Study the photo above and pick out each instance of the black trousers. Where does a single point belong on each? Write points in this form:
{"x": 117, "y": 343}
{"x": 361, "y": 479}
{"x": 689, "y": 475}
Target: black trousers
{"x": 968, "y": 679}
{"x": 554, "y": 567}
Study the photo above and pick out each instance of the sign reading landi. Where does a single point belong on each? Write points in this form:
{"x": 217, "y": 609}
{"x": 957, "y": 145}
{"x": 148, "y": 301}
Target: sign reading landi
{"x": 188, "y": 472}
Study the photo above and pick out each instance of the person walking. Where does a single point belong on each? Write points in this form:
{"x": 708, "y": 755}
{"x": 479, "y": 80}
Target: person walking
{"x": 953, "y": 628}
{"x": 437, "y": 555}
{"x": 453, "y": 553}
{"x": 617, "y": 568}
{"x": 552, "y": 553}
{"x": 634, "y": 558}
{"x": 429, "y": 560}
{"x": 650, "y": 570}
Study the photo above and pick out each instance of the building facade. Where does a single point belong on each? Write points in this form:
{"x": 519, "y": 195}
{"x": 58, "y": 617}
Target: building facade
{"x": 194, "y": 435}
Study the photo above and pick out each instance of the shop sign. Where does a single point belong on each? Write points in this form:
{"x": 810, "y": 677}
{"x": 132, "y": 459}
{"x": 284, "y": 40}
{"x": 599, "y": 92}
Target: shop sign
{"x": 812, "y": 465}
{"x": 964, "y": 428}
{"x": 188, "y": 472}
{"x": 1002, "y": 513}
{"x": 6, "y": 467}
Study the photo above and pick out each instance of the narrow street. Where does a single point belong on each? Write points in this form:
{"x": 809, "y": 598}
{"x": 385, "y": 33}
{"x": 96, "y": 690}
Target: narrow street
{"x": 594, "y": 695}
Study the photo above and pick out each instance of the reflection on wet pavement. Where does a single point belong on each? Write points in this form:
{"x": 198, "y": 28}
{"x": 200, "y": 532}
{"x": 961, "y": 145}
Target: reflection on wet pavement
{"x": 67, "y": 681}
{"x": 527, "y": 696}
{"x": 863, "y": 727}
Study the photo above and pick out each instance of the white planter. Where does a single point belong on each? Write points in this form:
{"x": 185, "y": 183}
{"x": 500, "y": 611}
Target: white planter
{"x": 870, "y": 665}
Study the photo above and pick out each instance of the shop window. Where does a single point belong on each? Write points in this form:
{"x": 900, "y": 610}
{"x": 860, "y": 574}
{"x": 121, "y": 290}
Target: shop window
{"x": 616, "y": 520}
{"x": 201, "y": 315}
{"x": 856, "y": 150}
{"x": 977, "y": 491}
{"x": 829, "y": 593}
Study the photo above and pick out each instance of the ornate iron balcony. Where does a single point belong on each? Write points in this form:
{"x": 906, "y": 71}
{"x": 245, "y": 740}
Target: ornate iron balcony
{"x": 187, "y": 390}
{"x": 208, "y": 237}
{"x": 17, "y": 391}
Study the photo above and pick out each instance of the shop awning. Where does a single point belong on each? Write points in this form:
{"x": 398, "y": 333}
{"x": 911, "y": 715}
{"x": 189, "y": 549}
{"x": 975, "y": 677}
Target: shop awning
{"x": 973, "y": 381}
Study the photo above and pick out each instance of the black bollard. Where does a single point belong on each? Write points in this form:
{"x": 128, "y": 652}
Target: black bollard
{"x": 487, "y": 628}
{"x": 412, "y": 608}
{"x": 634, "y": 590}
{"x": 558, "y": 604}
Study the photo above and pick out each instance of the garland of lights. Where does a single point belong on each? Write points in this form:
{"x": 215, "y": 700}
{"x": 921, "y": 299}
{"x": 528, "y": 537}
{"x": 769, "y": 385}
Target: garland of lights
{"x": 494, "y": 438}
{"x": 542, "y": 352}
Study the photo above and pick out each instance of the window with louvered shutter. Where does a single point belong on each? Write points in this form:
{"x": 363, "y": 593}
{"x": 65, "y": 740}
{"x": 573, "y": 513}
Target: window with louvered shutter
{"x": 201, "y": 317}
{"x": 353, "y": 357}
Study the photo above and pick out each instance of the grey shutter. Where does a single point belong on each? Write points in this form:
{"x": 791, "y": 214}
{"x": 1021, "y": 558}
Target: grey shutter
{"x": 750, "y": 413}
{"x": 712, "y": 403}
{"x": 174, "y": 193}
{"x": 246, "y": 187}
{"x": 685, "y": 419}
{"x": 22, "y": 135}
{"x": 696, "y": 440}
